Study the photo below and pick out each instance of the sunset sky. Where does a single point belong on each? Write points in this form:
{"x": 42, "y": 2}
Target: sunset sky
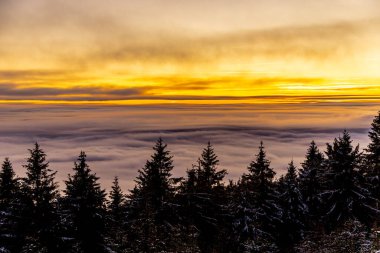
{"x": 147, "y": 51}
{"x": 85, "y": 73}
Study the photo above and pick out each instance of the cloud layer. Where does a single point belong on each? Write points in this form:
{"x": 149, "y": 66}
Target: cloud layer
{"x": 118, "y": 140}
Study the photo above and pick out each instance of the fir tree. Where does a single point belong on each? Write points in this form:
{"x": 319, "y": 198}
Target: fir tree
{"x": 154, "y": 180}
{"x": 245, "y": 234}
{"x": 8, "y": 184}
{"x": 206, "y": 192}
{"x": 116, "y": 203}
{"x": 116, "y": 219}
{"x": 258, "y": 211}
{"x": 293, "y": 209}
{"x": 11, "y": 231}
{"x": 208, "y": 174}
{"x": 84, "y": 208}
{"x": 151, "y": 212}
{"x": 311, "y": 182}
{"x": 372, "y": 161}
{"x": 41, "y": 192}
{"x": 346, "y": 196}
{"x": 260, "y": 176}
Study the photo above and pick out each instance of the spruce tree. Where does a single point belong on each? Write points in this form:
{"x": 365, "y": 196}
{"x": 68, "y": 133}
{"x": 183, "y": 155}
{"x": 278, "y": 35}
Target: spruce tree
{"x": 189, "y": 211}
{"x": 152, "y": 214}
{"x": 41, "y": 193}
{"x": 11, "y": 231}
{"x": 115, "y": 217}
{"x": 346, "y": 196}
{"x": 208, "y": 174}
{"x": 372, "y": 161}
{"x": 258, "y": 213}
{"x": 260, "y": 176}
{"x": 8, "y": 184}
{"x": 205, "y": 192}
{"x": 116, "y": 203}
{"x": 293, "y": 209}
{"x": 311, "y": 179}
{"x": 84, "y": 205}
{"x": 260, "y": 183}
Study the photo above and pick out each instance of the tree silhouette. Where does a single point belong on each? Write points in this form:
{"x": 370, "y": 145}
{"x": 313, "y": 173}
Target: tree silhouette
{"x": 152, "y": 212}
{"x": 41, "y": 192}
{"x": 346, "y": 197}
{"x": 116, "y": 217}
{"x": 372, "y": 162}
{"x": 84, "y": 205}
{"x": 11, "y": 229}
{"x": 204, "y": 199}
{"x": 256, "y": 214}
{"x": 311, "y": 182}
{"x": 293, "y": 208}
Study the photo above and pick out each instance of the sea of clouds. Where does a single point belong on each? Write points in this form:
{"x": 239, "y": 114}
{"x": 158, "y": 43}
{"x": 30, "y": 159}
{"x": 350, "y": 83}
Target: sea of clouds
{"x": 118, "y": 139}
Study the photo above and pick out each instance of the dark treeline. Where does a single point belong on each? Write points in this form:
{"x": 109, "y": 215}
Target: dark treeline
{"x": 328, "y": 204}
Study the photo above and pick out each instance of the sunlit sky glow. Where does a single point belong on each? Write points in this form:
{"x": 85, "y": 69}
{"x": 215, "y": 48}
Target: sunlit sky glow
{"x": 152, "y": 51}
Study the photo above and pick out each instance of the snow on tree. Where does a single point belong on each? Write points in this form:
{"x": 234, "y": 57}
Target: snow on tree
{"x": 152, "y": 213}
{"x": 346, "y": 196}
{"x": 204, "y": 193}
{"x": 256, "y": 212}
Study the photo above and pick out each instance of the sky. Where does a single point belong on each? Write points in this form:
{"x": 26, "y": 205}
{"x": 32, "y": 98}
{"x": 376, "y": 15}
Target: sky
{"x": 110, "y": 77}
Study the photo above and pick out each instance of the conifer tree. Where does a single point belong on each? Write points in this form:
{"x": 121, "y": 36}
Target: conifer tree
{"x": 205, "y": 199}
{"x": 372, "y": 162}
{"x": 11, "y": 234}
{"x": 208, "y": 174}
{"x": 293, "y": 209}
{"x": 260, "y": 183}
{"x": 257, "y": 209}
{"x": 311, "y": 182}
{"x": 116, "y": 219}
{"x": 260, "y": 176}
{"x": 41, "y": 193}
{"x": 84, "y": 208}
{"x": 116, "y": 203}
{"x": 8, "y": 184}
{"x": 187, "y": 198}
{"x": 346, "y": 196}
{"x": 152, "y": 214}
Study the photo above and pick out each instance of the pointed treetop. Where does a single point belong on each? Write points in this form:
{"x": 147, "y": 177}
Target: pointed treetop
{"x": 291, "y": 175}
{"x": 311, "y": 168}
{"x": 40, "y": 179}
{"x": 116, "y": 198}
{"x": 155, "y": 177}
{"x": 261, "y": 164}
{"x": 116, "y": 193}
{"x": 7, "y": 173}
{"x": 313, "y": 158}
{"x": 8, "y": 182}
{"x": 161, "y": 158}
{"x": 209, "y": 159}
{"x": 374, "y": 146}
{"x": 83, "y": 183}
